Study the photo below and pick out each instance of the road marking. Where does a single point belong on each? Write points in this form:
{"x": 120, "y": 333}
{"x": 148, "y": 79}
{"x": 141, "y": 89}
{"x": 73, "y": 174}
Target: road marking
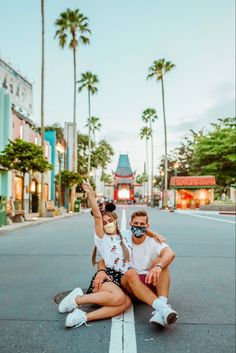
{"x": 200, "y": 216}
{"x": 123, "y": 224}
{"x": 123, "y": 337}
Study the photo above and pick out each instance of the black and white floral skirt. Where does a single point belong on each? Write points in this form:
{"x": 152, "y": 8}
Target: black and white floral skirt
{"x": 113, "y": 274}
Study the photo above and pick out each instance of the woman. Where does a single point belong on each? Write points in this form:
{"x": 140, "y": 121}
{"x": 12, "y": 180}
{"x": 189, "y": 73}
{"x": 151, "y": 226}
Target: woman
{"x": 115, "y": 252}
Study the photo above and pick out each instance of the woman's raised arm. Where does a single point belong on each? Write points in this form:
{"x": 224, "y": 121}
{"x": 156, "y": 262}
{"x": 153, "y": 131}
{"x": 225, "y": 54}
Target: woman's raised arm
{"x": 95, "y": 209}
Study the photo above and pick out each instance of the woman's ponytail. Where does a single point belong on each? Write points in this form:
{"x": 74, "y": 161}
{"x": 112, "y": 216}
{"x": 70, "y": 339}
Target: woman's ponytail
{"x": 94, "y": 256}
{"x": 124, "y": 247}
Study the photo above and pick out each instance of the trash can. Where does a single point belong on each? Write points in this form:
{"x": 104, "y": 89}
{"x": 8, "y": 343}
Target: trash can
{"x": 3, "y": 211}
{"x": 77, "y": 205}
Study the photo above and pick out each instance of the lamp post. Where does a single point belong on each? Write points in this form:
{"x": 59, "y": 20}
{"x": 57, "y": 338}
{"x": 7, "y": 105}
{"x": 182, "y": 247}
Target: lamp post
{"x": 60, "y": 151}
{"x": 176, "y": 166}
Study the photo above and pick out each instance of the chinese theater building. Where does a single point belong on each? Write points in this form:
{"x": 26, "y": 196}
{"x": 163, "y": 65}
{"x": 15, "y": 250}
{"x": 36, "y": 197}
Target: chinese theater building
{"x": 123, "y": 180}
{"x": 193, "y": 191}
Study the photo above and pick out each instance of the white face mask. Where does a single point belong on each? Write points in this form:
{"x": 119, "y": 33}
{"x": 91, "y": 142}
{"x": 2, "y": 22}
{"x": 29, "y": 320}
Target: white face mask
{"x": 110, "y": 228}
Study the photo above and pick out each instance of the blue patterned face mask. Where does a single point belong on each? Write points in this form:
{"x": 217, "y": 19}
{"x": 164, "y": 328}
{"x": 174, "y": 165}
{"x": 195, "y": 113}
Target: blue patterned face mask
{"x": 138, "y": 232}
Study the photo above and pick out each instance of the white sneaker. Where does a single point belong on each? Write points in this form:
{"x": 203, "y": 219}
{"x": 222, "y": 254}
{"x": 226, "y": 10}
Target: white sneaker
{"x": 76, "y": 318}
{"x": 68, "y": 303}
{"x": 169, "y": 315}
{"x": 157, "y": 318}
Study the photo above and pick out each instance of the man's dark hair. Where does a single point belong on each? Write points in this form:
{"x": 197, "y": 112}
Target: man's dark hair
{"x": 141, "y": 213}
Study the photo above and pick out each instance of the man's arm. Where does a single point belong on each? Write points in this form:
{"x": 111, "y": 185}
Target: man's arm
{"x": 167, "y": 255}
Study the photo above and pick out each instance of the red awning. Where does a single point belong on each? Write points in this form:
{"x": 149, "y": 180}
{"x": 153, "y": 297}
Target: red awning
{"x": 193, "y": 181}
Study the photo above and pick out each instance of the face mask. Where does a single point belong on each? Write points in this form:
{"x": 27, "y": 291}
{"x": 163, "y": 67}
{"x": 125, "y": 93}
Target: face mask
{"x": 110, "y": 228}
{"x": 138, "y": 232}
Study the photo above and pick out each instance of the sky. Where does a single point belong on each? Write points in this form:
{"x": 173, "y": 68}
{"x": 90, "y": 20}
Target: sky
{"x": 127, "y": 36}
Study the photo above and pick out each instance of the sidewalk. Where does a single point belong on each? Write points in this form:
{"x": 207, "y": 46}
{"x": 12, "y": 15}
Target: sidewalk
{"x": 35, "y": 220}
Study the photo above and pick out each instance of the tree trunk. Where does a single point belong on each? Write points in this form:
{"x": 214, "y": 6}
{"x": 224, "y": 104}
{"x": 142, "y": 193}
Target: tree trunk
{"x": 89, "y": 134}
{"x": 165, "y": 200}
{"x": 74, "y": 115}
{"x": 152, "y": 162}
{"x": 147, "y": 169}
{"x": 42, "y": 199}
{"x": 74, "y": 157}
{"x": 23, "y": 193}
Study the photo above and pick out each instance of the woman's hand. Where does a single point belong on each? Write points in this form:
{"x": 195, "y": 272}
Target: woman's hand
{"x": 87, "y": 187}
{"x": 100, "y": 278}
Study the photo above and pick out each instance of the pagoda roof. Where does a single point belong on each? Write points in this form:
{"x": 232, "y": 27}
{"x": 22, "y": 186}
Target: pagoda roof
{"x": 192, "y": 182}
{"x": 124, "y": 181}
{"x": 123, "y": 169}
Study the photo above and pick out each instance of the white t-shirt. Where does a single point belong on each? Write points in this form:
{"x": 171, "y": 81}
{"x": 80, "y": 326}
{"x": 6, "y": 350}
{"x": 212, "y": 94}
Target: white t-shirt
{"x": 111, "y": 251}
{"x": 143, "y": 254}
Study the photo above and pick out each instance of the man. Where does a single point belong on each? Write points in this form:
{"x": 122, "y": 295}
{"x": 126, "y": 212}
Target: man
{"x": 148, "y": 279}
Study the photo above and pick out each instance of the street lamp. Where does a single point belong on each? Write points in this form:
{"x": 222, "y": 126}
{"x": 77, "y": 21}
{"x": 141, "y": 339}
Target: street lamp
{"x": 60, "y": 151}
{"x": 176, "y": 166}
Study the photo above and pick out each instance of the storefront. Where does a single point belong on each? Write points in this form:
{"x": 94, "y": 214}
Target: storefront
{"x": 191, "y": 192}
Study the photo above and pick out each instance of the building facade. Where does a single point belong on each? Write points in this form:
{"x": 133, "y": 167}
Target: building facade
{"x": 123, "y": 180}
{"x": 5, "y": 135}
{"x": 193, "y": 191}
{"x": 16, "y": 94}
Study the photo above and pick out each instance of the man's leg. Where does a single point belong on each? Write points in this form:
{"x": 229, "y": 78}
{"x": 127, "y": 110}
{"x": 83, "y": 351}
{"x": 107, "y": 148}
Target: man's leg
{"x": 162, "y": 289}
{"x": 163, "y": 285}
{"x": 132, "y": 283}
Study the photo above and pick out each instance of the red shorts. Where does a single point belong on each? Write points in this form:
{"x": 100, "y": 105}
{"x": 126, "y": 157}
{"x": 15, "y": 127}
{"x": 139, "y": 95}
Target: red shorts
{"x": 150, "y": 286}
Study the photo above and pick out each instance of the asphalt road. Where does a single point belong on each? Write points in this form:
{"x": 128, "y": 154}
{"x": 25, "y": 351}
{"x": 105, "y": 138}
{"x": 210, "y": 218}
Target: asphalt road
{"x": 39, "y": 261}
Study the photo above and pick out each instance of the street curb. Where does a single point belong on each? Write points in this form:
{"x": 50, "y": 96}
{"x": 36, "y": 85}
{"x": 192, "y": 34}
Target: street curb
{"x": 16, "y": 226}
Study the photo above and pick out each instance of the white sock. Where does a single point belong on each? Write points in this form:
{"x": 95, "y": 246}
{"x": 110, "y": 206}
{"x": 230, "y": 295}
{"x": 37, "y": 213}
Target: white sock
{"x": 163, "y": 299}
{"x": 159, "y": 302}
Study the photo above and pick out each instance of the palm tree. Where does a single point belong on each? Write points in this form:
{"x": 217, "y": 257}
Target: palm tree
{"x": 42, "y": 199}
{"x": 146, "y": 133}
{"x": 157, "y": 70}
{"x": 93, "y": 124}
{"x": 72, "y": 28}
{"x": 89, "y": 81}
{"x": 149, "y": 116}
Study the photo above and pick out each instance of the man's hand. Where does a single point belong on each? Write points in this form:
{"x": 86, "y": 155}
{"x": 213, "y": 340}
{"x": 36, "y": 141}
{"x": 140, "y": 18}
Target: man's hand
{"x": 101, "y": 277}
{"x": 159, "y": 238}
{"x": 153, "y": 276}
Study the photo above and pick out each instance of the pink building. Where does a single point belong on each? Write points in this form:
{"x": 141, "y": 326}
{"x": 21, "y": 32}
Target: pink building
{"x": 23, "y": 128}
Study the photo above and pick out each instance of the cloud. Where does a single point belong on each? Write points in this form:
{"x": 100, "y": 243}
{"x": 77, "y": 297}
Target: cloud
{"x": 221, "y": 109}
{"x": 121, "y": 136}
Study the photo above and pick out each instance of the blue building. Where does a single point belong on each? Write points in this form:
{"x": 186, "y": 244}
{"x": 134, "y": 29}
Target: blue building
{"x": 50, "y": 136}
{"x": 5, "y": 135}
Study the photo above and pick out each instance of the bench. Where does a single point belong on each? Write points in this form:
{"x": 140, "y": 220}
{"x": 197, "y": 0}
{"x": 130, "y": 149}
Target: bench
{"x": 13, "y": 214}
{"x": 50, "y": 208}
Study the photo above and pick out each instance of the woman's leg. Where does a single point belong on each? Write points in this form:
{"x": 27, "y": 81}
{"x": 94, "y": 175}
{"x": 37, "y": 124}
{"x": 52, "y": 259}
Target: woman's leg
{"x": 109, "y": 295}
{"x": 108, "y": 311}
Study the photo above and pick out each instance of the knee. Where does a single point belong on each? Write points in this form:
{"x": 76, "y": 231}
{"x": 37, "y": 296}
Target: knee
{"x": 131, "y": 275}
{"x": 165, "y": 273}
{"x": 128, "y": 302}
{"x": 119, "y": 298}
